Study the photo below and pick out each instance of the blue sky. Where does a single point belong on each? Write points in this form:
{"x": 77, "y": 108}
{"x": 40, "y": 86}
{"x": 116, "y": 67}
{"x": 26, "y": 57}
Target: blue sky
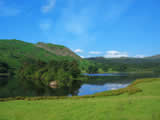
{"x": 110, "y": 28}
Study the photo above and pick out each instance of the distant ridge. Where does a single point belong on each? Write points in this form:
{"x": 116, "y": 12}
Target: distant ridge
{"x": 154, "y": 57}
{"x": 125, "y": 60}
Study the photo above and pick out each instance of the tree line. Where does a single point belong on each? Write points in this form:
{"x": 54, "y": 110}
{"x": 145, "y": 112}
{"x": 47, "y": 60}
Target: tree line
{"x": 39, "y": 74}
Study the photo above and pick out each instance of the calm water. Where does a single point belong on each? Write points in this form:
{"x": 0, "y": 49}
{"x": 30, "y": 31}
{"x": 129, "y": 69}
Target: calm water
{"x": 94, "y": 83}
{"x": 106, "y": 74}
{"x": 103, "y": 82}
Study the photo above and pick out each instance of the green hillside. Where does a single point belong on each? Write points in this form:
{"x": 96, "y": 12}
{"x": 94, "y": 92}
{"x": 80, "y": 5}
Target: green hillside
{"x": 15, "y": 51}
{"x": 126, "y": 60}
{"x": 148, "y": 64}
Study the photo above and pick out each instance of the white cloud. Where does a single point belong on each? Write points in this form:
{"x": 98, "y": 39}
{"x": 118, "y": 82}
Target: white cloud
{"x": 82, "y": 20}
{"x": 7, "y": 10}
{"x": 45, "y": 26}
{"x": 95, "y": 52}
{"x": 74, "y": 27}
{"x": 115, "y": 54}
{"x": 82, "y": 56}
{"x": 89, "y": 56}
{"x": 117, "y": 9}
{"x": 75, "y": 21}
{"x": 78, "y": 51}
{"x": 139, "y": 56}
{"x": 48, "y": 7}
{"x": 77, "y": 24}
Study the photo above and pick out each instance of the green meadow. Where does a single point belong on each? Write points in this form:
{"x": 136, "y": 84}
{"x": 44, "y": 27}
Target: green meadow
{"x": 144, "y": 105}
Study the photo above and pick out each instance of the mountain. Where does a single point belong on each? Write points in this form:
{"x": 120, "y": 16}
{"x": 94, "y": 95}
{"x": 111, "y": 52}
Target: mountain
{"x": 138, "y": 65}
{"x": 15, "y": 51}
{"x": 126, "y": 60}
{"x": 117, "y": 60}
{"x": 58, "y": 50}
{"x": 155, "y": 57}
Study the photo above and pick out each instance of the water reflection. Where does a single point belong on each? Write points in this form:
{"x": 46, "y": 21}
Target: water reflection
{"x": 10, "y": 87}
{"x": 104, "y": 82}
{"x": 88, "y": 89}
{"x": 110, "y": 81}
{"x": 3, "y": 81}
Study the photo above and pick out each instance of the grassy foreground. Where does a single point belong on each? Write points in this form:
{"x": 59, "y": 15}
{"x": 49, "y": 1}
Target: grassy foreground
{"x": 143, "y": 105}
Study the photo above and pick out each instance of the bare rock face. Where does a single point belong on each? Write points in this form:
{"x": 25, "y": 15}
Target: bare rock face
{"x": 58, "y": 50}
{"x": 53, "y": 84}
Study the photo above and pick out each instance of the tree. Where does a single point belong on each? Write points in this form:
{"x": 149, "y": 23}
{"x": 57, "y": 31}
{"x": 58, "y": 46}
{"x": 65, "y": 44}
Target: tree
{"x": 39, "y": 74}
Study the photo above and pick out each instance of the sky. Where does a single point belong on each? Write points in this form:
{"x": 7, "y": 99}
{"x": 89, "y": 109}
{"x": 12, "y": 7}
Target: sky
{"x": 109, "y": 28}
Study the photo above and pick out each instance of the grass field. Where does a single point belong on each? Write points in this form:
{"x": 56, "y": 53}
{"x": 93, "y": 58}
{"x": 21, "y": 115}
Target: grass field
{"x": 140, "y": 106}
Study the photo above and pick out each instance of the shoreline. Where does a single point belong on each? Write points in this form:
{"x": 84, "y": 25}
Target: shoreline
{"x": 131, "y": 89}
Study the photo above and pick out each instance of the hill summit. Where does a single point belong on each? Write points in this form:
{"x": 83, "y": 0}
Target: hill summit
{"x": 15, "y": 51}
{"x": 58, "y": 50}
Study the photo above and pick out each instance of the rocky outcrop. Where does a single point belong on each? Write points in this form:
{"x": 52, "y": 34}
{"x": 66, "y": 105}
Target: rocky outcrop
{"x": 53, "y": 84}
{"x": 58, "y": 50}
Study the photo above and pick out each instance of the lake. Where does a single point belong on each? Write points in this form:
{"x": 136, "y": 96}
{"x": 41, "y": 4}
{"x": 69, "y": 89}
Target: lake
{"x": 107, "y": 83}
{"x": 94, "y": 83}
{"x": 104, "y": 82}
